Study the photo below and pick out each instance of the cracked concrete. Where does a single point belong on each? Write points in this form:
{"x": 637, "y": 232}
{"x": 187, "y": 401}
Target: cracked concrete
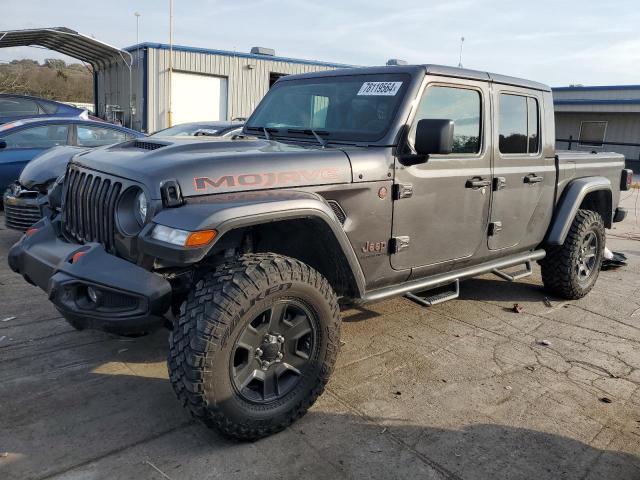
{"x": 463, "y": 390}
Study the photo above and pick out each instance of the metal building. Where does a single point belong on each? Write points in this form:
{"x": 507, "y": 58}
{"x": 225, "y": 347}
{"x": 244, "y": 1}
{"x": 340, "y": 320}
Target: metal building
{"x": 205, "y": 84}
{"x": 599, "y": 118}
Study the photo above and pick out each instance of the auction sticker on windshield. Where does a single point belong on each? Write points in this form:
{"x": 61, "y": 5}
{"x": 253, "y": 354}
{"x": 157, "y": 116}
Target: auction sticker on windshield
{"x": 380, "y": 88}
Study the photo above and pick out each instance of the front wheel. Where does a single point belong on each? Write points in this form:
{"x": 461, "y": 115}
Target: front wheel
{"x": 570, "y": 270}
{"x": 254, "y": 345}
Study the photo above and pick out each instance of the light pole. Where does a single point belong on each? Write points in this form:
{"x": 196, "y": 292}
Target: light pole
{"x": 137, "y": 14}
{"x": 461, "y": 45}
{"x": 170, "y": 112}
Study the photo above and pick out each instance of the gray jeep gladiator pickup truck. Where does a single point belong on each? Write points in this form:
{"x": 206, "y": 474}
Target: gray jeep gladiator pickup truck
{"x": 363, "y": 184}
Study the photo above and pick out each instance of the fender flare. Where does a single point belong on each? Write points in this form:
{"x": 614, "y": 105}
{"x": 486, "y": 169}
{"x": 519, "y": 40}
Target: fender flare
{"x": 227, "y": 212}
{"x": 572, "y": 197}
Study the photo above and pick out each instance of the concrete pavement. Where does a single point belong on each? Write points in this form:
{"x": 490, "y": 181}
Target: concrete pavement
{"x": 466, "y": 389}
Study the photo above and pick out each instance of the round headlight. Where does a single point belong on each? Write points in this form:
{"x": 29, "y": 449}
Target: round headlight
{"x": 141, "y": 208}
{"x": 132, "y": 211}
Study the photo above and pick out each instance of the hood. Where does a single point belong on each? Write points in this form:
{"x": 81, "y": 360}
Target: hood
{"x": 47, "y": 166}
{"x": 220, "y": 166}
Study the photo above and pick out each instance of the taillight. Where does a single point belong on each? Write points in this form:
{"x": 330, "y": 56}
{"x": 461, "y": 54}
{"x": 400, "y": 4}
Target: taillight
{"x": 626, "y": 180}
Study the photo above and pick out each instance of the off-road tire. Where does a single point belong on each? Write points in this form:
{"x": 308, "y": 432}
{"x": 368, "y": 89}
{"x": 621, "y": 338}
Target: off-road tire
{"x": 216, "y": 312}
{"x": 559, "y": 267}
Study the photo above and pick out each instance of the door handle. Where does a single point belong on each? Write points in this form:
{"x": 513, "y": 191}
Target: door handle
{"x": 533, "y": 178}
{"x": 477, "y": 183}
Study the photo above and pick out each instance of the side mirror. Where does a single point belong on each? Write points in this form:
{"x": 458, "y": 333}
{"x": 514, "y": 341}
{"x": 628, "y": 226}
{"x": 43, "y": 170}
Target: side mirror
{"x": 434, "y": 136}
{"x": 3, "y": 144}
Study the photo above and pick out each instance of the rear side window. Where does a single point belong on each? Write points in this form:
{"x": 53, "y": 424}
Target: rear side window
{"x": 519, "y": 123}
{"x": 10, "y": 107}
{"x": 461, "y": 105}
{"x": 90, "y": 136}
{"x": 44, "y": 136}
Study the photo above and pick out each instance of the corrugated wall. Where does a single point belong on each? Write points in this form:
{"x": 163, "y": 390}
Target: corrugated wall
{"x": 621, "y": 127}
{"x": 113, "y": 89}
{"x": 248, "y": 79}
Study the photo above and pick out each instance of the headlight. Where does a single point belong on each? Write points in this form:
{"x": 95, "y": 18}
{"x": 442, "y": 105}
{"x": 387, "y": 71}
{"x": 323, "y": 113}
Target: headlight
{"x": 182, "y": 238}
{"x": 141, "y": 208}
{"x": 132, "y": 211}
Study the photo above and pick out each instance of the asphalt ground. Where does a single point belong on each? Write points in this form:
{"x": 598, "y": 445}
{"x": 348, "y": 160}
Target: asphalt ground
{"x": 466, "y": 389}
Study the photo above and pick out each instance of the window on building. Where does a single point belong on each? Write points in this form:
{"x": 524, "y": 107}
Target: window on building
{"x": 461, "y": 105}
{"x": 592, "y": 133}
{"x": 90, "y": 136}
{"x": 518, "y": 124}
{"x": 44, "y": 136}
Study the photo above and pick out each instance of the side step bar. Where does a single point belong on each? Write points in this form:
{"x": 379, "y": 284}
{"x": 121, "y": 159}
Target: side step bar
{"x": 450, "y": 277}
{"x": 429, "y": 298}
{"x": 512, "y": 277}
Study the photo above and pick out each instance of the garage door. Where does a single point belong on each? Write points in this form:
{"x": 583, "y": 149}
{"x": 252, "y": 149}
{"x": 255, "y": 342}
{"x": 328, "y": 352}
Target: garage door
{"x": 198, "y": 97}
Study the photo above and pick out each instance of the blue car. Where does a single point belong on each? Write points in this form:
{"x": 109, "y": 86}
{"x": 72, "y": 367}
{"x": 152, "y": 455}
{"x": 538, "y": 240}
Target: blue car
{"x": 22, "y": 140}
{"x": 16, "y": 107}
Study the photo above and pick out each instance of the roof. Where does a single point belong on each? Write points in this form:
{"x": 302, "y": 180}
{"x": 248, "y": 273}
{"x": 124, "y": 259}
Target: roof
{"x": 66, "y": 41}
{"x": 428, "y": 69}
{"x": 45, "y": 120}
{"x": 595, "y": 88}
{"x": 209, "y": 51}
{"x": 60, "y": 105}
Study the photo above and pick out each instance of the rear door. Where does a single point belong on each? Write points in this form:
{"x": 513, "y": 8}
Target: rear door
{"x": 445, "y": 206}
{"x": 523, "y": 178}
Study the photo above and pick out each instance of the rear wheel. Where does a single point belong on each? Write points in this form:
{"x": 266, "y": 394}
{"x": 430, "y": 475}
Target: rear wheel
{"x": 254, "y": 345}
{"x": 570, "y": 270}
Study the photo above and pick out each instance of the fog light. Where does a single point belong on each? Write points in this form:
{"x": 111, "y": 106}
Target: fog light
{"x": 93, "y": 294}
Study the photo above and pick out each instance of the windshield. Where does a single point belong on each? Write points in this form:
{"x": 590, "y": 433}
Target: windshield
{"x": 356, "y": 108}
{"x": 187, "y": 130}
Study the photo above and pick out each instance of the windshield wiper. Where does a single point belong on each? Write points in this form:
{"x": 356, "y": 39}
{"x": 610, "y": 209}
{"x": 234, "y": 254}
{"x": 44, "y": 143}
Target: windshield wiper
{"x": 268, "y": 132}
{"x": 310, "y": 131}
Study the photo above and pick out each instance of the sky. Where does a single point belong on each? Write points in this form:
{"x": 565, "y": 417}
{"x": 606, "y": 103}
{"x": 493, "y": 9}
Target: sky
{"x": 557, "y": 42}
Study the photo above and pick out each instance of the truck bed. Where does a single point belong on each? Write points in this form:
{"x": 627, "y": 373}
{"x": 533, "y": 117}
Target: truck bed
{"x": 571, "y": 164}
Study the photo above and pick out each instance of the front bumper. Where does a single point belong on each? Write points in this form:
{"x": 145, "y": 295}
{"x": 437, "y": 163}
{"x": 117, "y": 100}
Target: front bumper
{"x": 130, "y": 299}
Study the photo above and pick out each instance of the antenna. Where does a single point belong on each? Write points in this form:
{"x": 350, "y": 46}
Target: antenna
{"x": 461, "y": 45}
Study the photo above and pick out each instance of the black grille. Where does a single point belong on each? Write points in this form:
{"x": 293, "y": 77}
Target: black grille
{"x": 21, "y": 217}
{"x": 148, "y": 145}
{"x": 88, "y": 213}
{"x": 337, "y": 209}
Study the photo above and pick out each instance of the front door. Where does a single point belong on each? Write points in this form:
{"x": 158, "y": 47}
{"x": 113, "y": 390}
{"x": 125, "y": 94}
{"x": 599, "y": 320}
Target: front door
{"x": 445, "y": 217}
{"x": 524, "y": 178}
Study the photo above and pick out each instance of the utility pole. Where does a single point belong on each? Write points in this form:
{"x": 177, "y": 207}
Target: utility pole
{"x": 132, "y": 108}
{"x": 170, "y": 112}
{"x": 461, "y": 45}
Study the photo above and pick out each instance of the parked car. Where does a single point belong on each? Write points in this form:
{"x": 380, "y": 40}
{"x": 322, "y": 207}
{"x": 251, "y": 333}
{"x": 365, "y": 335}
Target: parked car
{"x": 197, "y": 129}
{"x": 16, "y": 107}
{"x": 23, "y": 198}
{"x": 365, "y": 184}
{"x": 27, "y": 196}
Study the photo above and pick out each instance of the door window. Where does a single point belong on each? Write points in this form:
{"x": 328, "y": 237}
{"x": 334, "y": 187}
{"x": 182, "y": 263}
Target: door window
{"x": 519, "y": 124}
{"x": 90, "y": 136}
{"x": 461, "y": 105}
{"x": 44, "y": 136}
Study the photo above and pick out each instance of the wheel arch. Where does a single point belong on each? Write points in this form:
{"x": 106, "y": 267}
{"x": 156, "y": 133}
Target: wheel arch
{"x": 590, "y": 193}
{"x": 311, "y": 237}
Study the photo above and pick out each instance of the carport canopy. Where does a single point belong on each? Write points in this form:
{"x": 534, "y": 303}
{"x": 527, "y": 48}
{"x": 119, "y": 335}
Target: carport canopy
{"x": 69, "y": 42}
